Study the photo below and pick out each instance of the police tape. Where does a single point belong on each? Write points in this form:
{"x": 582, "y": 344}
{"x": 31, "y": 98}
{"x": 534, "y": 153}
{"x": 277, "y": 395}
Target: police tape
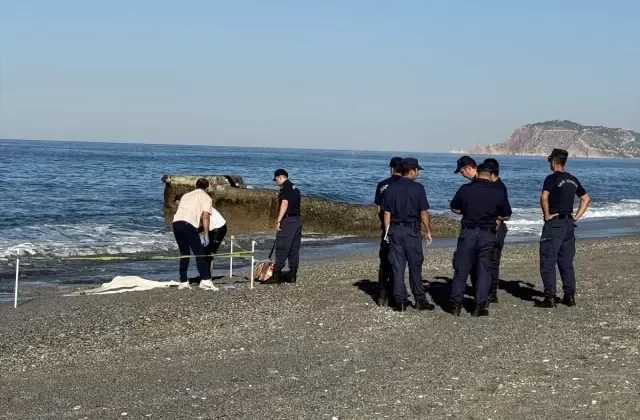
{"x": 240, "y": 254}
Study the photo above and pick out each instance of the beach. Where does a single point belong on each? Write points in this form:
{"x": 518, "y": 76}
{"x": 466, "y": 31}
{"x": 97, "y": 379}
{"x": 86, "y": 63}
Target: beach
{"x": 323, "y": 349}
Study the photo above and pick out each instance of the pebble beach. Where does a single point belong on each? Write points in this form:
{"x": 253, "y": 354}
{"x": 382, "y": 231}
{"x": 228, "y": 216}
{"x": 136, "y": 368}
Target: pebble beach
{"x": 322, "y": 349}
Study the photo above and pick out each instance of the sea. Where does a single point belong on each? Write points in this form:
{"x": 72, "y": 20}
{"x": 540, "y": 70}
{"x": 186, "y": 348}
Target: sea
{"x": 81, "y": 199}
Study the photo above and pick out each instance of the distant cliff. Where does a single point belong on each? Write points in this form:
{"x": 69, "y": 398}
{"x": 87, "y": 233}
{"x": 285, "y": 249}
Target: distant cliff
{"x": 578, "y": 140}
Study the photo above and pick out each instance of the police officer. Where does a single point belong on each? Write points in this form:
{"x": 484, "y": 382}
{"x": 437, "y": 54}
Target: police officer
{"x": 467, "y": 167}
{"x": 501, "y": 232}
{"x": 557, "y": 242}
{"x": 289, "y": 228}
{"x": 480, "y": 204}
{"x": 406, "y": 208}
{"x": 385, "y": 278}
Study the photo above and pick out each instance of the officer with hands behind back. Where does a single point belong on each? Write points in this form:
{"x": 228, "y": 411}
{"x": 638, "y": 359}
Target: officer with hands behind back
{"x": 480, "y": 204}
{"x": 558, "y": 241}
{"x": 289, "y": 228}
{"x": 405, "y": 207}
{"x": 501, "y": 232}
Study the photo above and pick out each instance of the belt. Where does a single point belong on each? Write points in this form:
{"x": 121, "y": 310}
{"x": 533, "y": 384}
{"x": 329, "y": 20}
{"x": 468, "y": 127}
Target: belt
{"x": 483, "y": 228}
{"x": 565, "y": 216}
{"x": 411, "y": 224}
{"x": 291, "y": 214}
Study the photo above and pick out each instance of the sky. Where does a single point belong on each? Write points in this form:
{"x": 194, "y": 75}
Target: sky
{"x": 363, "y": 75}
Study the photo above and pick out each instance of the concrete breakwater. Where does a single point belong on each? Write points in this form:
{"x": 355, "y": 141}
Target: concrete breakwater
{"x": 250, "y": 210}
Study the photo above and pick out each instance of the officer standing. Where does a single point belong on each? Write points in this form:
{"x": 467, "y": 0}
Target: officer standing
{"x": 289, "y": 228}
{"x": 385, "y": 278}
{"x": 557, "y": 242}
{"x": 501, "y": 232}
{"x": 467, "y": 167}
{"x": 480, "y": 204}
{"x": 406, "y": 208}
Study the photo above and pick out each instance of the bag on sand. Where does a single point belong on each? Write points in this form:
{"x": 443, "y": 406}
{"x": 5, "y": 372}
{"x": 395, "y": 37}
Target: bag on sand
{"x": 264, "y": 269}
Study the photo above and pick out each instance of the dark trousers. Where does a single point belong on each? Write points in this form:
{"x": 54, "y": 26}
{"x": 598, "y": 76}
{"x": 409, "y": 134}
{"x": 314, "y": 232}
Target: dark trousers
{"x": 406, "y": 247}
{"x": 288, "y": 241}
{"x": 558, "y": 247}
{"x": 385, "y": 271}
{"x": 188, "y": 240}
{"x": 496, "y": 257}
{"x": 474, "y": 251}
{"x": 215, "y": 239}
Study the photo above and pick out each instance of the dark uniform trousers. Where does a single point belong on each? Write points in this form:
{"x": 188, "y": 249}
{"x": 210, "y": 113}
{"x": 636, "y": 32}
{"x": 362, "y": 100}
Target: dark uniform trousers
{"x": 474, "y": 252}
{"x": 385, "y": 271}
{"x": 558, "y": 246}
{"x": 496, "y": 257}
{"x": 405, "y": 246}
{"x": 188, "y": 240}
{"x": 288, "y": 240}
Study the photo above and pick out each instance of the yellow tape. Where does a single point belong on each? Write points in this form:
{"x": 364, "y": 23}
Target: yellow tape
{"x": 243, "y": 254}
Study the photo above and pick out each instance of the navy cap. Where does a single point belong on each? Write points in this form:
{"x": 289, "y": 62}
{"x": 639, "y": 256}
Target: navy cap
{"x": 410, "y": 163}
{"x": 464, "y": 161}
{"x": 483, "y": 167}
{"x": 492, "y": 164}
{"x": 279, "y": 172}
{"x": 395, "y": 162}
{"x": 558, "y": 153}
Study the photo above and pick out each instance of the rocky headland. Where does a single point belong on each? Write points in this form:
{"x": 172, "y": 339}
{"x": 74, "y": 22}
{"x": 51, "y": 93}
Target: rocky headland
{"x": 579, "y": 140}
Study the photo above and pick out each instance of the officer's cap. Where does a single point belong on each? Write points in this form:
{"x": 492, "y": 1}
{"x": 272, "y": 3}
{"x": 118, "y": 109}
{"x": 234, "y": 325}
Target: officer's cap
{"x": 395, "y": 162}
{"x": 492, "y": 164}
{"x": 410, "y": 163}
{"x": 483, "y": 167}
{"x": 279, "y": 172}
{"x": 558, "y": 153}
{"x": 464, "y": 161}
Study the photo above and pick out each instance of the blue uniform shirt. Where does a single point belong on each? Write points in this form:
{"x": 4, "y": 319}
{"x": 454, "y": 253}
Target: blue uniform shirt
{"x": 562, "y": 187}
{"x": 291, "y": 193}
{"x": 405, "y": 199}
{"x": 481, "y": 202}
{"x": 381, "y": 189}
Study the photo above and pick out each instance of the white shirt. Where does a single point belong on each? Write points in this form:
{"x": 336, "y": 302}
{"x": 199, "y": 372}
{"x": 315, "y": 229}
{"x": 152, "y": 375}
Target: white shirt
{"x": 217, "y": 221}
{"x": 191, "y": 207}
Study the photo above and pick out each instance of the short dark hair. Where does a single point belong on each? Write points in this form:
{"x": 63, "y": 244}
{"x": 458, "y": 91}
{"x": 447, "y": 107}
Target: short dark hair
{"x": 202, "y": 183}
{"x": 493, "y": 165}
{"x": 560, "y": 160}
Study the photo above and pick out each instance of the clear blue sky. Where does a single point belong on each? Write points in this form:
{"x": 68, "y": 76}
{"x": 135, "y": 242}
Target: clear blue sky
{"x": 376, "y": 75}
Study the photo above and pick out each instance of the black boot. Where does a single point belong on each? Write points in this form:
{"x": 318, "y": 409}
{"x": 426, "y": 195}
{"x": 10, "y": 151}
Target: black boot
{"x": 383, "y": 299}
{"x": 293, "y": 275}
{"x": 569, "y": 300}
{"x": 480, "y": 310}
{"x": 548, "y": 302}
{"x": 423, "y": 305}
{"x": 276, "y": 277}
{"x": 454, "y": 309}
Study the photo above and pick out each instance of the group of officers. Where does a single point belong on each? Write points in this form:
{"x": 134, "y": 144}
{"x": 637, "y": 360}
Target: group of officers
{"x": 403, "y": 210}
{"x": 483, "y": 203}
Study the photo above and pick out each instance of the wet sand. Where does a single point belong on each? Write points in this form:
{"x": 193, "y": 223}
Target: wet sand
{"x": 323, "y": 349}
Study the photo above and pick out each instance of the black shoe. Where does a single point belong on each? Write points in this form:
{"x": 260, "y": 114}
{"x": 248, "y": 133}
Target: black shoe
{"x": 423, "y": 305}
{"x": 480, "y": 310}
{"x": 276, "y": 278}
{"x": 293, "y": 276}
{"x": 401, "y": 306}
{"x": 548, "y": 302}
{"x": 569, "y": 300}
{"x": 454, "y": 309}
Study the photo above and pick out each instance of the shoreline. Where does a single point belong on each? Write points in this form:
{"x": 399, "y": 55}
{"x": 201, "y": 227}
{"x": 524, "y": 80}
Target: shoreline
{"x": 323, "y": 349}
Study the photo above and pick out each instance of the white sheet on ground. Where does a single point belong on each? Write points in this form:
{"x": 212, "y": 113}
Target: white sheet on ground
{"x": 121, "y": 284}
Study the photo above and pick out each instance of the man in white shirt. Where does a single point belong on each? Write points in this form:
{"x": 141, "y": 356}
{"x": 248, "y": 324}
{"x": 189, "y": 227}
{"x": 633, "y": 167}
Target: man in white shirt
{"x": 217, "y": 232}
{"x": 194, "y": 206}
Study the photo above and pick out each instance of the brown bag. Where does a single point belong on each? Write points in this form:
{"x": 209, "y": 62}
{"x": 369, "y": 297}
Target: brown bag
{"x": 264, "y": 269}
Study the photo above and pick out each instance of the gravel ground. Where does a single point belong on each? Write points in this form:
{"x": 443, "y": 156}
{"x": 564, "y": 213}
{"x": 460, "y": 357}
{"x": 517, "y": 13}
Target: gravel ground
{"x": 323, "y": 350}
